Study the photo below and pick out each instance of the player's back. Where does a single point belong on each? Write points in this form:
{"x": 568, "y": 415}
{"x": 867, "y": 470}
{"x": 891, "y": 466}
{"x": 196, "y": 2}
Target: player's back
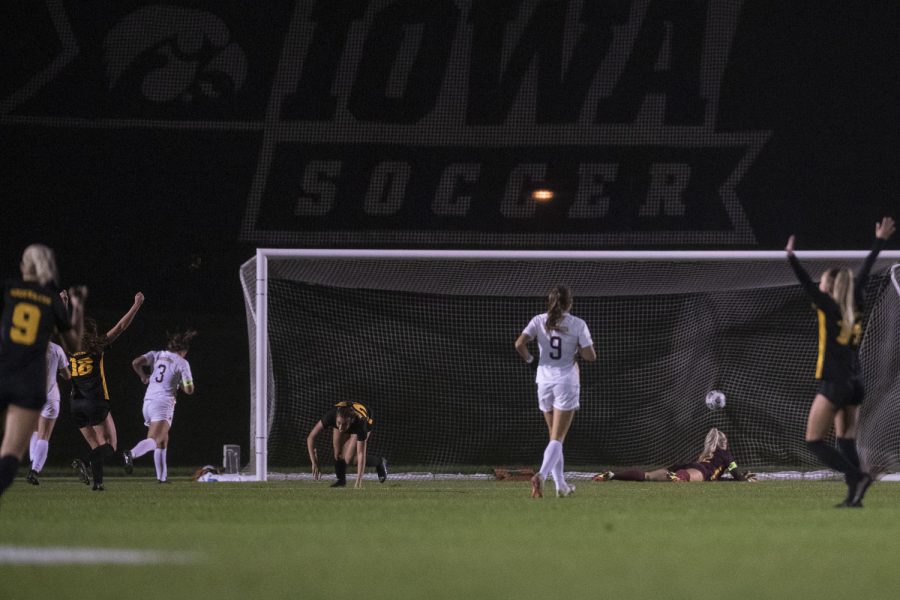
{"x": 168, "y": 369}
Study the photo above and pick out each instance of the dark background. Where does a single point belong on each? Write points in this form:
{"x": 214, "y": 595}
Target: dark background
{"x": 132, "y": 207}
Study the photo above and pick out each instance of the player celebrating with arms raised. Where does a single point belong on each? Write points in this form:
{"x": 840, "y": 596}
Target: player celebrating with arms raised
{"x": 838, "y": 300}
{"x": 163, "y": 372}
{"x": 560, "y": 337}
{"x": 31, "y": 312}
{"x": 90, "y": 397}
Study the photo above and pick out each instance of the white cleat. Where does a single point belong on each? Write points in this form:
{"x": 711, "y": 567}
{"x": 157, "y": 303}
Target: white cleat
{"x": 565, "y": 492}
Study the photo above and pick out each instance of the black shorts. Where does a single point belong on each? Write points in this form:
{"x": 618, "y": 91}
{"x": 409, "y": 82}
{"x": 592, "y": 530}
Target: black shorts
{"x": 22, "y": 393}
{"x": 849, "y": 392}
{"x": 87, "y": 413}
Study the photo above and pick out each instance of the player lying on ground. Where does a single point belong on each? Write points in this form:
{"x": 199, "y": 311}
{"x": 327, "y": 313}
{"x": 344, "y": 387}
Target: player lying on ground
{"x": 714, "y": 461}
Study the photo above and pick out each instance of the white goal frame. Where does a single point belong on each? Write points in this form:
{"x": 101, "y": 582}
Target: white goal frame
{"x": 259, "y": 403}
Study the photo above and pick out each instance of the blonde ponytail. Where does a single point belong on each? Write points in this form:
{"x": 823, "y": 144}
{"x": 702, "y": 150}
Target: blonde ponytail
{"x": 714, "y": 439}
{"x": 39, "y": 264}
{"x": 844, "y": 294}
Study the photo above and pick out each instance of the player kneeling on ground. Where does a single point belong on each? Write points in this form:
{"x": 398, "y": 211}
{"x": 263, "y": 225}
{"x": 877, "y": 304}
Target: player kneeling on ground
{"x": 351, "y": 424}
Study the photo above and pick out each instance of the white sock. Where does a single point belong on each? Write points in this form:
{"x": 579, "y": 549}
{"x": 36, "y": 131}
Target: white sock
{"x": 159, "y": 459}
{"x": 551, "y": 457}
{"x": 558, "y": 472}
{"x": 143, "y": 447}
{"x": 164, "y": 468}
{"x": 39, "y": 454}
{"x": 34, "y": 438}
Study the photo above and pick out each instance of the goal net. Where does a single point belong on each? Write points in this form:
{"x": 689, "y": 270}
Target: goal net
{"x": 425, "y": 339}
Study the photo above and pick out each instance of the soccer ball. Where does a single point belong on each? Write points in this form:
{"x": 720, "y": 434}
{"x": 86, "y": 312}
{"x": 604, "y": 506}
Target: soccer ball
{"x": 715, "y": 400}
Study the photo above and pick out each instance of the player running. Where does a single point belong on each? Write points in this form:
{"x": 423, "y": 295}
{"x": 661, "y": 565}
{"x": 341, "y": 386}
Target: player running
{"x": 714, "y": 461}
{"x": 164, "y": 372}
{"x": 560, "y": 337}
{"x": 31, "y": 312}
{"x": 57, "y": 366}
{"x": 90, "y": 396}
{"x": 351, "y": 424}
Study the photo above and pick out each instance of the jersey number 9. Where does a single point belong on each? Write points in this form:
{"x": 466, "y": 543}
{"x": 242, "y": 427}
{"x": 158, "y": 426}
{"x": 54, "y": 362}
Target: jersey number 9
{"x": 25, "y": 320}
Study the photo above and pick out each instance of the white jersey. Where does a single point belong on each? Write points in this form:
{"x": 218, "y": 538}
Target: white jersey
{"x": 56, "y": 362}
{"x": 169, "y": 371}
{"x": 559, "y": 347}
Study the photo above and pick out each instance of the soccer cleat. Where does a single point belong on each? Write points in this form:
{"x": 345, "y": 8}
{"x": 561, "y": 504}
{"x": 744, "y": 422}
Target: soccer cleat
{"x": 32, "y": 477}
{"x": 129, "y": 462}
{"x": 382, "y": 470}
{"x": 162, "y": 481}
{"x": 860, "y": 490}
{"x": 81, "y": 471}
{"x": 339, "y": 483}
{"x": 565, "y": 492}
{"x": 536, "y": 487}
{"x": 98, "y": 487}
{"x": 604, "y": 476}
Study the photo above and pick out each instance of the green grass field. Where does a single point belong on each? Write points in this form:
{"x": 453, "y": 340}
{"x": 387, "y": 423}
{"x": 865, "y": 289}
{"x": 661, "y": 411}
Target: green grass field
{"x": 461, "y": 539}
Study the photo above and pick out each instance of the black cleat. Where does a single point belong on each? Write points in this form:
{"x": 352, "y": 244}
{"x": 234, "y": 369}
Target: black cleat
{"x": 381, "y": 467}
{"x": 339, "y": 483}
{"x": 32, "y": 477}
{"x": 162, "y": 481}
{"x": 129, "y": 462}
{"x": 81, "y": 471}
{"x": 98, "y": 487}
{"x": 860, "y": 490}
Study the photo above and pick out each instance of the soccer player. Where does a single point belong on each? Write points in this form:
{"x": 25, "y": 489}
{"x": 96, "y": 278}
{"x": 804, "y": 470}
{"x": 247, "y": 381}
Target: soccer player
{"x": 57, "y": 366}
{"x": 163, "y": 372}
{"x": 90, "y": 397}
{"x": 351, "y": 429}
{"x": 838, "y": 300}
{"x": 712, "y": 463}
{"x": 31, "y": 312}
{"x": 560, "y": 338}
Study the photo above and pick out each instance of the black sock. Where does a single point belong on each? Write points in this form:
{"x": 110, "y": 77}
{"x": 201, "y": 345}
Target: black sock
{"x": 340, "y": 469}
{"x": 97, "y": 457}
{"x": 847, "y": 447}
{"x": 832, "y": 458}
{"x": 9, "y": 464}
{"x": 372, "y": 461}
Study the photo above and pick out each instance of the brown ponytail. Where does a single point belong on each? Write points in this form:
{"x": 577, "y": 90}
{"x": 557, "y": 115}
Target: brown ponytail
{"x": 180, "y": 342}
{"x": 559, "y": 300}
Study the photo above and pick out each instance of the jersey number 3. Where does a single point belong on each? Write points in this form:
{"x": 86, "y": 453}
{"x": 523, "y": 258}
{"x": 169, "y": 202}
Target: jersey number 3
{"x": 26, "y": 318}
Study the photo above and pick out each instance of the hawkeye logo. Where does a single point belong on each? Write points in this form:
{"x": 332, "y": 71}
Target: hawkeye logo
{"x": 405, "y": 122}
{"x": 187, "y": 54}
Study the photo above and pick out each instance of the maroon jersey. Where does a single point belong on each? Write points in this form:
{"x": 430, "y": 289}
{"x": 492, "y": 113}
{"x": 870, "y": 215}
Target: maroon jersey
{"x": 713, "y": 467}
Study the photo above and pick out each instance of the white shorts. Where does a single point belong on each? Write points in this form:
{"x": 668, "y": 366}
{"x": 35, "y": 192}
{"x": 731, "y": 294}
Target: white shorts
{"x": 158, "y": 410}
{"x": 561, "y": 395}
{"x": 50, "y": 410}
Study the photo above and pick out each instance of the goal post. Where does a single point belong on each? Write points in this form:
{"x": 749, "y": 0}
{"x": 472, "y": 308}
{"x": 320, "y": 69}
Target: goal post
{"x": 425, "y": 337}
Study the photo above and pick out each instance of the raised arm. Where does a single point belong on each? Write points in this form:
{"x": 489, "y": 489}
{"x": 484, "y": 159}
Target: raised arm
{"x": 126, "y": 320}
{"x": 809, "y": 286}
{"x": 883, "y": 232}
{"x": 74, "y": 302}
